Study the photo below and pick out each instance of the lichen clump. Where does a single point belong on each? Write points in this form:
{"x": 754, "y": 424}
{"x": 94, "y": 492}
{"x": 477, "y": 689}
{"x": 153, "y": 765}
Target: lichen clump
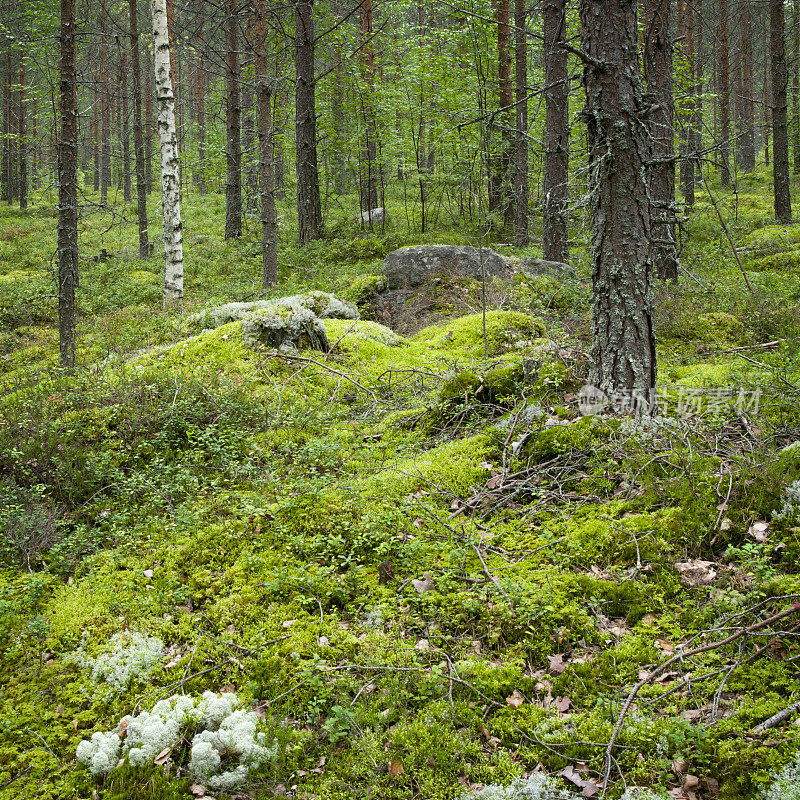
{"x": 130, "y": 659}
{"x": 225, "y": 747}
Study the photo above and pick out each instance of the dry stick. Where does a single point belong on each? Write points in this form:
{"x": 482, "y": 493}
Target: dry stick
{"x": 329, "y": 369}
{"x": 776, "y": 718}
{"x": 727, "y": 232}
{"x": 492, "y": 577}
{"x": 680, "y": 657}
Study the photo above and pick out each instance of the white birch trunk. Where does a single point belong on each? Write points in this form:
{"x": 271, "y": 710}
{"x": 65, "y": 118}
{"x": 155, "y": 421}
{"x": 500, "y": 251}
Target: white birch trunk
{"x": 170, "y": 179}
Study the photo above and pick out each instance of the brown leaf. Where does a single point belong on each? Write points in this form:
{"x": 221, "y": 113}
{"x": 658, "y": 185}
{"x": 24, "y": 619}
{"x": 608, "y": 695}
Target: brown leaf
{"x": 515, "y": 699}
{"x": 163, "y": 756}
{"x": 74, "y": 724}
{"x": 759, "y": 531}
{"x": 563, "y": 704}
{"x": 494, "y": 481}
{"x": 424, "y": 585}
{"x": 697, "y": 572}
{"x": 396, "y": 768}
{"x": 123, "y": 727}
{"x": 197, "y": 789}
{"x": 557, "y": 665}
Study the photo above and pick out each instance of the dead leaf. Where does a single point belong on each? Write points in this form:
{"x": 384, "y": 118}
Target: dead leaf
{"x": 197, "y": 789}
{"x": 758, "y": 530}
{"x": 74, "y": 724}
{"x": 287, "y": 623}
{"x": 422, "y": 645}
{"x": 323, "y": 641}
{"x": 557, "y": 665}
{"x": 396, "y": 768}
{"x": 563, "y": 704}
{"x": 691, "y": 714}
{"x": 515, "y": 699}
{"x": 123, "y": 727}
{"x": 148, "y": 573}
{"x": 494, "y": 482}
{"x": 589, "y": 787}
{"x": 163, "y": 756}
{"x": 726, "y": 524}
{"x": 697, "y": 572}
{"x": 424, "y": 585}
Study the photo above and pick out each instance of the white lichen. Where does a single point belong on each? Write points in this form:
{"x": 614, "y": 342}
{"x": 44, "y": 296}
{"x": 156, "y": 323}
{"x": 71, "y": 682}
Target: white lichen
{"x": 790, "y": 503}
{"x": 130, "y": 658}
{"x": 533, "y": 787}
{"x": 786, "y": 785}
{"x": 225, "y": 745}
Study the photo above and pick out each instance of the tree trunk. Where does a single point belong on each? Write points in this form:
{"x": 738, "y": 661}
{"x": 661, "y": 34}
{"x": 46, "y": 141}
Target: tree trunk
{"x": 96, "y": 146}
{"x": 686, "y": 37}
{"x": 7, "y": 132}
{"x": 22, "y": 145}
{"x": 269, "y": 219}
{"x": 339, "y": 125}
{"x": 369, "y": 165}
{"x": 233, "y": 115}
{"x": 766, "y": 104}
{"x": 623, "y": 354}
{"x": 796, "y": 86}
{"x": 500, "y": 176}
{"x": 661, "y": 174}
{"x": 67, "y": 189}
{"x": 138, "y": 141}
{"x": 724, "y": 89}
{"x": 148, "y": 125}
{"x": 555, "y": 184}
{"x": 200, "y": 174}
{"x": 309, "y": 207}
{"x": 780, "y": 133}
{"x": 697, "y": 90}
{"x": 521, "y": 237}
{"x": 170, "y": 177}
{"x": 746, "y": 122}
{"x": 126, "y": 131}
{"x": 105, "y": 110}
{"x": 249, "y": 154}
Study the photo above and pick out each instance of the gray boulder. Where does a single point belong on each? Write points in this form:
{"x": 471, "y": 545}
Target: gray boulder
{"x": 414, "y": 266}
{"x": 375, "y": 216}
{"x": 538, "y": 266}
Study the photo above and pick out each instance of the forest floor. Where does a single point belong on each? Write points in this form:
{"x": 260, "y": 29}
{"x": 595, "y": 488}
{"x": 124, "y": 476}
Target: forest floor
{"x": 423, "y": 569}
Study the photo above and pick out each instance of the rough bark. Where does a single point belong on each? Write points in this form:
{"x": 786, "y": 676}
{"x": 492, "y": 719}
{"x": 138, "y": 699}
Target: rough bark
{"x": 555, "y": 185}
{"x": 200, "y": 106}
{"x": 369, "y": 150}
{"x": 697, "y": 90}
{"x": 309, "y": 207}
{"x": 687, "y": 163}
{"x": 170, "y": 177}
{"x": 780, "y": 132}
{"x": 96, "y": 145}
{"x": 623, "y": 355}
{"x": 746, "y": 149}
{"x": 126, "y": 130}
{"x": 148, "y": 125}
{"x": 22, "y": 145}
{"x": 7, "y": 138}
{"x": 796, "y": 86}
{"x": 67, "y": 189}
{"x": 233, "y": 125}
{"x": 105, "y": 110}
{"x": 339, "y": 125}
{"x": 724, "y": 90}
{"x": 500, "y": 199}
{"x": 661, "y": 173}
{"x": 521, "y": 189}
{"x": 138, "y": 139}
{"x": 249, "y": 152}
{"x": 269, "y": 220}
{"x": 766, "y": 103}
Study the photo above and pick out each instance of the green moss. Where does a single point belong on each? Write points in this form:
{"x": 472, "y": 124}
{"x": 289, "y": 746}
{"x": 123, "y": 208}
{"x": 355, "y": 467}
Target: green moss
{"x": 718, "y": 327}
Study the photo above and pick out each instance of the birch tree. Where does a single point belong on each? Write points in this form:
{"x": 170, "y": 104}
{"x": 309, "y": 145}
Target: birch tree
{"x": 170, "y": 179}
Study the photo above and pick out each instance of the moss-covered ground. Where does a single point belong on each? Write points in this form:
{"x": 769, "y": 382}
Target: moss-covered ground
{"x": 414, "y": 557}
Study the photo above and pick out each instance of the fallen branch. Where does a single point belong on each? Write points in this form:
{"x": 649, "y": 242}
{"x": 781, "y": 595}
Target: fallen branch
{"x": 776, "y": 719}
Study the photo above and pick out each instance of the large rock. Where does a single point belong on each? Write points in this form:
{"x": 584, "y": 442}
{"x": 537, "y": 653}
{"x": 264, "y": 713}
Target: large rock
{"x": 373, "y": 217}
{"x": 414, "y": 266}
{"x": 539, "y": 266}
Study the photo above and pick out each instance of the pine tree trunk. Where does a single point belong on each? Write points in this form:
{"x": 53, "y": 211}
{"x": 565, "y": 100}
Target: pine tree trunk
{"x": 7, "y": 132}
{"x": 686, "y": 36}
{"x": 555, "y": 184}
{"x": 780, "y": 133}
{"x": 500, "y": 175}
{"x": 339, "y": 126}
{"x": 724, "y": 89}
{"x": 96, "y": 146}
{"x": 369, "y": 164}
{"x": 170, "y": 178}
{"x": 521, "y": 189}
{"x": 23, "y": 146}
{"x": 697, "y": 105}
{"x": 623, "y": 355}
{"x": 309, "y": 207}
{"x": 766, "y": 103}
{"x": 67, "y": 189}
{"x": 796, "y": 86}
{"x": 148, "y": 124}
{"x": 105, "y": 110}
{"x": 269, "y": 219}
{"x": 746, "y": 131}
{"x": 200, "y": 106}
{"x": 661, "y": 174}
{"x": 138, "y": 139}
{"x": 126, "y": 131}
{"x": 233, "y": 116}
{"x": 249, "y": 154}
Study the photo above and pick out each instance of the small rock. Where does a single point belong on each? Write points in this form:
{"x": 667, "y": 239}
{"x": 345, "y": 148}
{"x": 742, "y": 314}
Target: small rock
{"x": 148, "y": 573}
